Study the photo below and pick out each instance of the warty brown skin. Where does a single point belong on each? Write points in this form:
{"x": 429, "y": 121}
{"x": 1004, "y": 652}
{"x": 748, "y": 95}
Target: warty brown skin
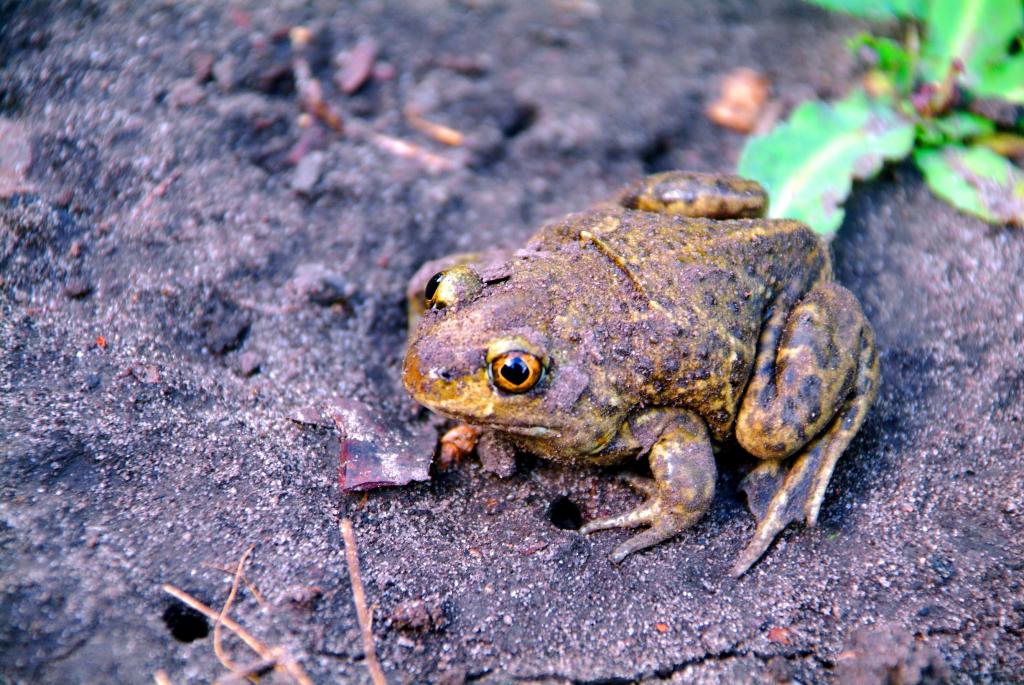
{"x": 659, "y": 332}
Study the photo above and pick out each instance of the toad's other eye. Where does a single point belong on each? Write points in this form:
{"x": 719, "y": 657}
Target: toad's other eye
{"x": 431, "y": 289}
{"x": 515, "y": 371}
{"x": 452, "y": 287}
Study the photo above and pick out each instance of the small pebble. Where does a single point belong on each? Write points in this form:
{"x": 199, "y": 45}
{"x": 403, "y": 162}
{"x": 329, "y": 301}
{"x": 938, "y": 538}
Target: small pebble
{"x": 249, "y": 364}
{"x": 185, "y": 93}
{"x": 307, "y": 173}
{"x": 77, "y": 288}
{"x": 419, "y": 615}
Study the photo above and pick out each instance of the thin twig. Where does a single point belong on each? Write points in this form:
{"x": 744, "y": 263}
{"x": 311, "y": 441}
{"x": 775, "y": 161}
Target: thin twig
{"x": 256, "y": 594}
{"x": 402, "y": 148}
{"x": 218, "y": 648}
{"x": 228, "y": 622}
{"x": 439, "y": 132}
{"x": 275, "y": 654}
{"x": 254, "y": 669}
{"x": 359, "y": 597}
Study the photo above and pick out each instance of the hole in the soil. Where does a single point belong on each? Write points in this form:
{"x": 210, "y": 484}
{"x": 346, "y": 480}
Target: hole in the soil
{"x": 564, "y": 514}
{"x": 185, "y": 623}
{"x": 10, "y": 99}
{"x": 522, "y": 117}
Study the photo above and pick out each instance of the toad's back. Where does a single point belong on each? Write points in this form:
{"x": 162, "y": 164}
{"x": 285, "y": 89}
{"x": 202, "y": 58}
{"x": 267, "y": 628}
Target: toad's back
{"x": 705, "y": 286}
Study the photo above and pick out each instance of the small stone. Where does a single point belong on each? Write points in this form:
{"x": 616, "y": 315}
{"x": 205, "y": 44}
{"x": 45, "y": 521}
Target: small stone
{"x": 64, "y": 197}
{"x": 307, "y": 173}
{"x": 202, "y": 66}
{"x": 419, "y": 615}
{"x": 224, "y": 71}
{"x": 318, "y": 284}
{"x": 185, "y": 93}
{"x": 77, "y": 288}
{"x": 304, "y": 597}
{"x": 452, "y": 676}
{"x": 249, "y": 364}
{"x": 148, "y": 374}
{"x": 497, "y": 455}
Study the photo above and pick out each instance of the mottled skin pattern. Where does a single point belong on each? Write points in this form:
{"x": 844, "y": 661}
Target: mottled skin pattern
{"x": 660, "y": 332}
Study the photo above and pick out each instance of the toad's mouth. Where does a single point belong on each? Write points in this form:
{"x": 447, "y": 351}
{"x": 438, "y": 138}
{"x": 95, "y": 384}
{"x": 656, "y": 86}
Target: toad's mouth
{"x": 530, "y": 430}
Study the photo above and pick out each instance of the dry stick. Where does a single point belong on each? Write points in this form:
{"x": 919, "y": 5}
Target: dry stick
{"x": 439, "y": 132}
{"x": 256, "y": 594}
{"x": 359, "y": 597}
{"x": 218, "y": 648}
{"x": 276, "y": 654}
{"x": 253, "y": 669}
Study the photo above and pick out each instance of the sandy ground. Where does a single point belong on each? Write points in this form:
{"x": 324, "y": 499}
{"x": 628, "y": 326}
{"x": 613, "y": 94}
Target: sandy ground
{"x": 156, "y": 334}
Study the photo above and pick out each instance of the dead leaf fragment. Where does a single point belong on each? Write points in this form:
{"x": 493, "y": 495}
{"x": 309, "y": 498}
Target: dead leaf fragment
{"x": 743, "y": 95}
{"x": 779, "y": 635}
{"x": 372, "y": 456}
{"x": 357, "y": 66}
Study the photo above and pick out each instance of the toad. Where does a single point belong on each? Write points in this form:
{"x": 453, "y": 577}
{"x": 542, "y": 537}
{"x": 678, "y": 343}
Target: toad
{"x": 660, "y": 324}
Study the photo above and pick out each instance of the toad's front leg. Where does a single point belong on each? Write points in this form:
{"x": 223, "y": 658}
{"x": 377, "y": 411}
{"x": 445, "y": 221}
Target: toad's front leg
{"x": 680, "y": 492}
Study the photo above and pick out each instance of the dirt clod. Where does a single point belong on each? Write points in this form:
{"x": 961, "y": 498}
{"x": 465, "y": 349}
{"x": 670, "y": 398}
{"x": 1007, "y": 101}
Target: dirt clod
{"x": 887, "y": 654}
{"x": 419, "y": 615}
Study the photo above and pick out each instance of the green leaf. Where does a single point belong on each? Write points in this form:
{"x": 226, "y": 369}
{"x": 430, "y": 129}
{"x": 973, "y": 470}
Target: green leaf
{"x": 1004, "y": 81}
{"x": 877, "y": 9}
{"x": 977, "y": 33}
{"x": 808, "y": 164}
{"x": 975, "y": 180}
{"x": 892, "y": 58}
{"x": 954, "y": 127}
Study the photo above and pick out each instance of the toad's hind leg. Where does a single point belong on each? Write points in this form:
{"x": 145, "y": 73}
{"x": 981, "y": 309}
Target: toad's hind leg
{"x": 819, "y": 385}
{"x": 685, "y": 193}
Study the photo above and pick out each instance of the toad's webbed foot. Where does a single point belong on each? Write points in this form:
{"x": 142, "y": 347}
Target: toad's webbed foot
{"x": 679, "y": 493}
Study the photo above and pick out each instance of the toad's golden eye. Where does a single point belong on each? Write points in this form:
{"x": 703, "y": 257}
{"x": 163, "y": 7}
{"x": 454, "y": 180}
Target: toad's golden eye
{"x": 431, "y": 289}
{"x": 515, "y": 371}
{"x": 452, "y": 287}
